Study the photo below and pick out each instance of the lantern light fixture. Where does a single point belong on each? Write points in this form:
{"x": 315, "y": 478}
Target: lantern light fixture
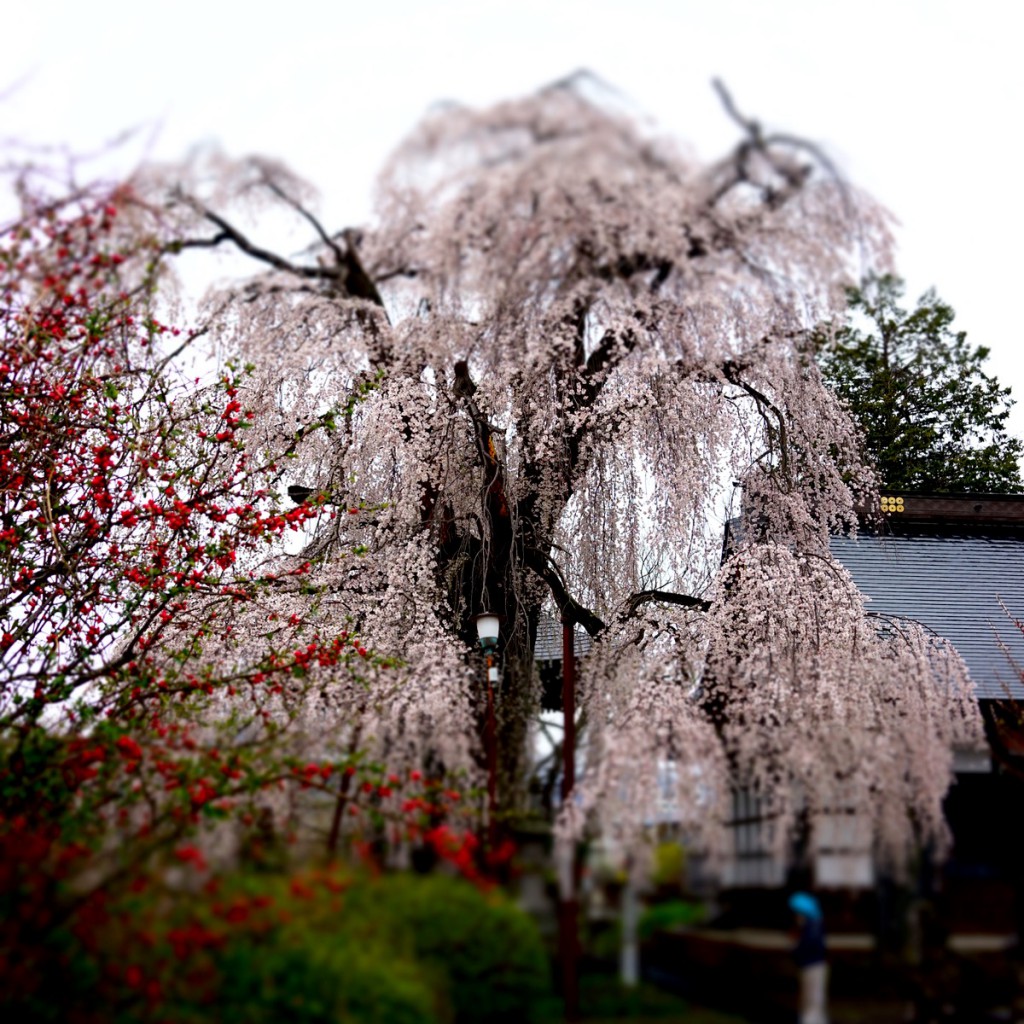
{"x": 487, "y": 629}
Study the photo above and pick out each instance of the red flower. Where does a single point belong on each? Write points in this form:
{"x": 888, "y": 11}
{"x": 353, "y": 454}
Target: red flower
{"x": 129, "y": 748}
{"x": 191, "y": 855}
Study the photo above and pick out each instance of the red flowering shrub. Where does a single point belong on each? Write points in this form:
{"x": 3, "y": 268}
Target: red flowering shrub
{"x": 140, "y": 711}
{"x": 330, "y": 945}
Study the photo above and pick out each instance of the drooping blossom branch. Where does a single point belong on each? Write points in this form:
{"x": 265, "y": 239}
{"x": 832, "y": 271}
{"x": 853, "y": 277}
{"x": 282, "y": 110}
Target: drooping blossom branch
{"x": 588, "y": 336}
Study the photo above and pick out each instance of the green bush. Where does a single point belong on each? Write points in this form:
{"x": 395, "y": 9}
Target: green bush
{"x": 305, "y": 977}
{"x": 484, "y": 951}
{"x": 404, "y": 949}
{"x": 324, "y": 949}
{"x": 673, "y": 914}
{"x": 264, "y": 948}
{"x": 327, "y": 946}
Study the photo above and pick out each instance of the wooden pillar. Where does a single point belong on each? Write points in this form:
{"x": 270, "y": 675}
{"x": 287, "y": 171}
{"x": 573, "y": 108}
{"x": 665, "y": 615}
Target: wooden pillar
{"x": 568, "y": 925}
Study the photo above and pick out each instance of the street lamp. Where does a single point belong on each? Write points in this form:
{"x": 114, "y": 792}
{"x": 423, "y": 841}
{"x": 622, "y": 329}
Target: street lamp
{"x": 488, "y": 630}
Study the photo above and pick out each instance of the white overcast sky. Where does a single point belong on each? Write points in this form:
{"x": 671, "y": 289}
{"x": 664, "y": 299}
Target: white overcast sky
{"x": 918, "y": 101}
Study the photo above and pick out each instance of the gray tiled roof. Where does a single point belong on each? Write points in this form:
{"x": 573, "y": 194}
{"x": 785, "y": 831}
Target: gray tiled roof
{"x": 549, "y": 640}
{"x": 949, "y": 583}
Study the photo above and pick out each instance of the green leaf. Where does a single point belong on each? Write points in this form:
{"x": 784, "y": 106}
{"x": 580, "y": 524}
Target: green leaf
{"x": 932, "y": 419}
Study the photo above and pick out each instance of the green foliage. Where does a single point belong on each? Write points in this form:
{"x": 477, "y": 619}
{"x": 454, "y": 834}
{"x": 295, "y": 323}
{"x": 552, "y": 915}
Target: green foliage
{"x": 309, "y": 976}
{"x": 401, "y": 949}
{"x": 264, "y": 947}
{"x": 673, "y": 914}
{"x": 933, "y": 420}
{"x": 312, "y": 947}
{"x": 485, "y": 951}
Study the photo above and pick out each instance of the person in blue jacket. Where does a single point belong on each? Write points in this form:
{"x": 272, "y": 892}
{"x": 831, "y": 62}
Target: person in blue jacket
{"x": 809, "y": 954}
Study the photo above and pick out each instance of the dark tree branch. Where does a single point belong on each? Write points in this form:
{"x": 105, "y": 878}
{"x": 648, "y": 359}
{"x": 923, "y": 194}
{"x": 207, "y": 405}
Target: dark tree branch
{"x": 664, "y": 597}
{"x": 610, "y": 349}
{"x": 194, "y": 243}
{"x": 231, "y": 233}
{"x": 731, "y": 372}
{"x": 756, "y": 140}
{"x": 464, "y": 387}
{"x": 339, "y": 255}
{"x": 750, "y": 127}
{"x": 577, "y": 321}
{"x": 583, "y": 381}
{"x": 586, "y": 388}
{"x": 358, "y": 282}
{"x": 494, "y": 498}
{"x": 568, "y": 607}
{"x": 347, "y": 273}
{"x": 390, "y": 275}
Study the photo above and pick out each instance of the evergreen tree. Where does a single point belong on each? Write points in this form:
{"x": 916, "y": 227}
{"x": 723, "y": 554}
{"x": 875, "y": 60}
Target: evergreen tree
{"x": 933, "y": 420}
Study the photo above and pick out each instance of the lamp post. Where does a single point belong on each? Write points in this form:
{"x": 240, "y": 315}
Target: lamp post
{"x": 568, "y": 927}
{"x": 488, "y": 630}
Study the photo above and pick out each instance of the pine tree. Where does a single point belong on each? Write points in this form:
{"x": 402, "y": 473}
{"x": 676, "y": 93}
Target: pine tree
{"x": 933, "y": 419}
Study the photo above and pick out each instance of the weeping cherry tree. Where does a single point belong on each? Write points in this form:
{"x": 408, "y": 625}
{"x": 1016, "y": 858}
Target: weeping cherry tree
{"x": 528, "y": 387}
